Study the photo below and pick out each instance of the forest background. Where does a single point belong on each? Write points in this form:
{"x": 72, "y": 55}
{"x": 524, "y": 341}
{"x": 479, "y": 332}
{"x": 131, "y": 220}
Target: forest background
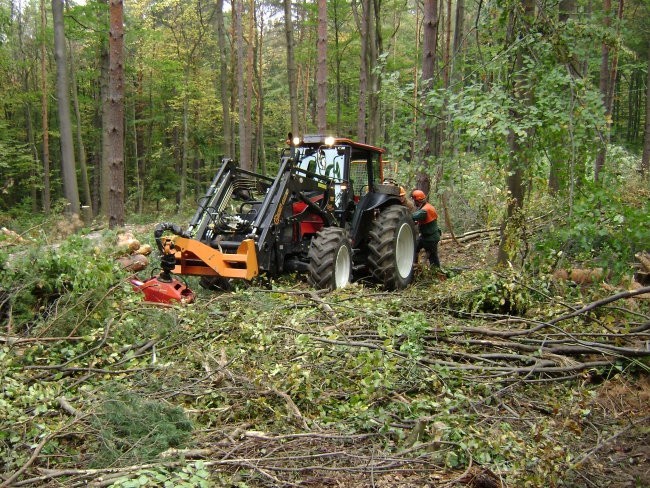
{"x": 526, "y": 121}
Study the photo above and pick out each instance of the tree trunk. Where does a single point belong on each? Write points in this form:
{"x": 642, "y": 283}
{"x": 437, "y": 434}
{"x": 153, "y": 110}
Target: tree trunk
{"x": 105, "y": 176}
{"x": 337, "y": 64}
{"x": 223, "y": 81}
{"x": 605, "y": 86}
{"x": 645, "y": 160}
{"x": 250, "y": 62}
{"x": 70, "y": 189}
{"x": 375, "y": 48}
{"x": 116, "y": 116}
{"x": 44, "y": 118}
{"x": 244, "y": 149}
{"x": 29, "y": 127}
{"x": 364, "y": 26}
{"x": 261, "y": 150}
{"x": 429, "y": 57}
{"x": 186, "y": 135}
{"x": 81, "y": 149}
{"x": 459, "y": 28}
{"x": 291, "y": 68}
{"x": 321, "y": 68}
{"x": 517, "y": 160}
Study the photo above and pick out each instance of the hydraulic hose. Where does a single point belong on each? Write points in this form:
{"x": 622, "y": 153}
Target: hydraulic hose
{"x": 164, "y": 226}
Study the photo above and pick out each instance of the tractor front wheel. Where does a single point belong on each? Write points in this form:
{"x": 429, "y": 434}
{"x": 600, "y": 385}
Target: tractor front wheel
{"x": 330, "y": 259}
{"x": 392, "y": 247}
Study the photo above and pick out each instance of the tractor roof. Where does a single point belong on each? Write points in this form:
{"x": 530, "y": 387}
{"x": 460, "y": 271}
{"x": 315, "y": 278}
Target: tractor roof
{"x": 321, "y": 140}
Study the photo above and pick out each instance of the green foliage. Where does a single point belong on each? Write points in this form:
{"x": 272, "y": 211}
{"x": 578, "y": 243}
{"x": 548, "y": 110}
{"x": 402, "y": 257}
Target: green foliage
{"x": 192, "y": 475}
{"x": 132, "y": 430}
{"x": 76, "y": 271}
{"x": 507, "y": 292}
{"x": 605, "y": 228}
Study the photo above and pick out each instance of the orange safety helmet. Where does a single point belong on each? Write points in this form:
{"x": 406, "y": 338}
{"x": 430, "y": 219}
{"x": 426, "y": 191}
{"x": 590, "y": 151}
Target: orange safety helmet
{"x": 418, "y": 195}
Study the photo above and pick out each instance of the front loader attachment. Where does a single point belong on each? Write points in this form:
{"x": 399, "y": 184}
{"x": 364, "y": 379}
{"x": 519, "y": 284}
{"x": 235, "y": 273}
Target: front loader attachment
{"x": 195, "y": 258}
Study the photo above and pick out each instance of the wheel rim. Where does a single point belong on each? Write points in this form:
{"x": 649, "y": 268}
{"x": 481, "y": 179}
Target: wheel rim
{"x": 342, "y": 267}
{"x": 404, "y": 250}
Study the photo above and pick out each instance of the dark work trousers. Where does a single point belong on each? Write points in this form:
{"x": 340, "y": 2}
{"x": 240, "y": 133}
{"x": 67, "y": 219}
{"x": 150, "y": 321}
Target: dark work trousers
{"x": 431, "y": 247}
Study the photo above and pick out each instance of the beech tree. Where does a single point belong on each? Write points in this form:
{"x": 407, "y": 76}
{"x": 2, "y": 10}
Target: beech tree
{"x": 115, "y": 129}
{"x": 70, "y": 189}
{"x": 321, "y": 68}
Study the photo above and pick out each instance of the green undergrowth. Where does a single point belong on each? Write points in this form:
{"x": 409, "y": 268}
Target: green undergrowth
{"x": 145, "y": 380}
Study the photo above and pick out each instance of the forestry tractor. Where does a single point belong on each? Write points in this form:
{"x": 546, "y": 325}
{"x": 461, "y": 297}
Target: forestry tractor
{"x": 327, "y": 213}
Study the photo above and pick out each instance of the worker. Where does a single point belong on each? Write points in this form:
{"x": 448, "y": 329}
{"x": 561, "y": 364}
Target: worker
{"x": 426, "y": 217}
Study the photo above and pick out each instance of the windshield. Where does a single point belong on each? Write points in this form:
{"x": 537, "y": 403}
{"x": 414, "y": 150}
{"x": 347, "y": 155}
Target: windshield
{"x": 325, "y": 161}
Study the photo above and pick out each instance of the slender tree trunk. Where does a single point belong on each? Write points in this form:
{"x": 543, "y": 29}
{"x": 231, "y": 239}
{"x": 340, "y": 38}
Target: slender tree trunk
{"x": 459, "y": 29}
{"x": 517, "y": 160}
{"x": 105, "y": 176}
{"x": 566, "y": 9}
{"x": 244, "y": 148}
{"x": 139, "y": 143}
{"x": 223, "y": 81}
{"x": 250, "y": 63}
{"x": 261, "y": 150}
{"x": 186, "y": 135}
{"x": 116, "y": 115}
{"x": 416, "y": 79}
{"x": 70, "y": 189}
{"x": 29, "y": 127}
{"x": 363, "y": 22}
{"x": 645, "y": 160}
{"x": 337, "y": 64}
{"x": 291, "y": 68}
{"x": 375, "y": 47}
{"x": 321, "y": 71}
{"x": 429, "y": 48}
{"x": 81, "y": 149}
{"x": 44, "y": 118}
{"x": 604, "y": 87}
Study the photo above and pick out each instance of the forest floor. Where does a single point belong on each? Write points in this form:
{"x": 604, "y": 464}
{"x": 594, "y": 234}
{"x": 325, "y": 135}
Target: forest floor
{"x": 470, "y": 377}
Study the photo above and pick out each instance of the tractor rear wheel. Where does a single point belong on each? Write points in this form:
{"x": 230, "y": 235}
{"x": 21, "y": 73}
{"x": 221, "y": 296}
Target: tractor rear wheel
{"x": 330, "y": 259}
{"x": 392, "y": 247}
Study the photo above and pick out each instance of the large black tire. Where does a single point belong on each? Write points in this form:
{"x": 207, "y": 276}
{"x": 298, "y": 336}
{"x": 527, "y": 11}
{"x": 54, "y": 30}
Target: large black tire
{"x": 330, "y": 259}
{"x": 391, "y": 245}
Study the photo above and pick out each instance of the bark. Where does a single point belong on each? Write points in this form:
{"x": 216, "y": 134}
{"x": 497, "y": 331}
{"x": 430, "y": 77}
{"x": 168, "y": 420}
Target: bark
{"x": 459, "y": 27}
{"x": 185, "y": 135}
{"x": 321, "y": 68}
{"x": 44, "y": 118}
{"x": 261, "y": 151}
{"x": 70, "y": 190}
{"x": 105, "y": 109}
{"x": 250, "y": 62}
{"x": 139, "y": 133}
{"x": 375, "y": 47}
{"x": 337, "y": 63}
{"x": 645, "y": 160}
{"x": 566, "y": 9}
{"x": 81, "y": 149}
{"x": 29, "y": 127}
{"x": 244, "y": 149}
{"x": 364, "y": 25}
{"x": 429, "y": 58}
{"x": 223, "y": 81}
{"x": 291, "y": 68}
{"x": 115, "y": 127}
{"x": 517, "y": 159}
{"x": 606, "y": 84}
